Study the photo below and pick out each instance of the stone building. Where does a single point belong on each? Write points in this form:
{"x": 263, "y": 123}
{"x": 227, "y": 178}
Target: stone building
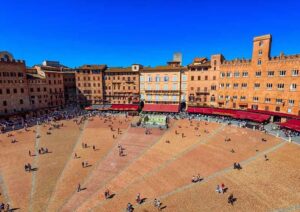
{"x": 164, "y": 85}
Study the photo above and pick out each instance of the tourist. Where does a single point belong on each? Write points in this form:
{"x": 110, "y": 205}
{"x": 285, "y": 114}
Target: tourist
{"x": 231, "y": 199}
{"x": 129, "y": 207}
{"x": 223, "y": 188}
{"x": 218, "y": 189}
{"x": 78, "y": 187}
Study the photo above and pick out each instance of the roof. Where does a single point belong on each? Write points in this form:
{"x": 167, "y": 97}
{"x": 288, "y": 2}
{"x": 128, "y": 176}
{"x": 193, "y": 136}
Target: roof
{"x": 119, "y": 69}
{"x": 34, "y": 76}
{"x": 92, "y": 67}
{"x": 165, "y": 68}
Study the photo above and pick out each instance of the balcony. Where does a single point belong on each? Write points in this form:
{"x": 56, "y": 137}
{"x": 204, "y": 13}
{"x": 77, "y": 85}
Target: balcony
{"x": 162, "y": 91}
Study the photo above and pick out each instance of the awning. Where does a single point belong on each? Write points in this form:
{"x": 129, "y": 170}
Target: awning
{"x": 161, "y": 108}
{"x": 124, "y": 107}
{"x": 271, "y": 113}
{"x": 292, "y": 124}
{"x": 98, "y": 107}
{"x": 237, "y": 114}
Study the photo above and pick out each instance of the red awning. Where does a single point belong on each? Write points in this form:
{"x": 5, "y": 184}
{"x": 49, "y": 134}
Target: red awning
{"x": 161, "y": 108}
{"x": 292, "y": 124}
{"x": 271, "y": 113}
{"x": 123, "y": 107}
{"x": 238, "y": 114}
{"x": 88, "y": 108}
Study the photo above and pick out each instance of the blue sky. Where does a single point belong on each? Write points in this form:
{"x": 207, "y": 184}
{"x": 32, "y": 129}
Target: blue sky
{"x": 119, "y": 33}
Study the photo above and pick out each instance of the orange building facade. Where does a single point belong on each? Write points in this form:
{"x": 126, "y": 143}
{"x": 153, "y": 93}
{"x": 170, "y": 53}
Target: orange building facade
{"x": 262, "y": 83}
{"x": 122, "y": 85}
{"x": 203, "y": 78}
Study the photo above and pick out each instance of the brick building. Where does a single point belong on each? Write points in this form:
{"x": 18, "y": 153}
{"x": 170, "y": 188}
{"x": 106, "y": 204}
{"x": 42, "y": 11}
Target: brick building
{"x": 13, "y": 85}
{"x": 203, "y": 78}
{"x": 122, "y": 85}
{"x": 89, "y": 84}
{"x": 263, "y": 83}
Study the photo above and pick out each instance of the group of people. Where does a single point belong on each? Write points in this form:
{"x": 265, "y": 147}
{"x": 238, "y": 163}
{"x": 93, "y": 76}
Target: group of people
{"x": 43, "y": 151}
{"x": 28, "y": 167}
{"x": 121, "y": 150}
{"x": 196, "y": 179}
{"x": 221, "y": 189}
{"x": 237, "y": 166}
{"x": 4, "y": 207}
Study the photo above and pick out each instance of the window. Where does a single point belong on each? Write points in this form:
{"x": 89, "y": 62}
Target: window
{"x": 271, "y": 73}
{"x": 165, "y": 87}
{"x": 243, "y": 98}
{"x": 227, "y": 85}
{"x": 7, "y": 91}
{"x": 258, "y": 74}
{"x": 260, "y": 52}
{"x": 166, "y": 78}
{"x": 22, "y": 90}
{"x": 174, "y": 87}
{"x": 220, "y": 96}
{"x": 192, "y": 78}
{"x": 222, "y": 85}
{"x": 259, "y": 62}
{"x": 15, "y": 90}
{"x": 174, "y": 78}
{"x": 245, "y": 74}
{"x": 280, "y": 86}
{"x": 260, "y": 43}
{"x": 21, "y": 101}
{"x": 214, "y": 77}
{"x": 244, "y": 85}
{"x": 278, "y": 101}
{"x": 234, "y": 97}
{"x": 228, "y": 74}
{"x": 222, "y": 75}
{"x": 293, "y": 87}
{"x": 236, "y": 74}
{"x": 4, "y": 103}
{"x": 295, "y": 73}
{"x": 255, "y": 99}
{"x": 149, "y": 79}
{"x": 269, "y": 86}
{"x": 184, "y": 78}
{"x": 267, "y": 100}
{"x": 206, "y": 77}
{"x": 157, "y": 87}
{"x": 256, "y": 85}
{"x": 227, "y": 97}
{"x": 199, "y": 78}
{"x": 282, "y": 73}
{"x": 213, "y": 87}
{"x": 157, "y": 78}
{"x": 235, "y": 85}
{"x": 142, "y": 78}
{"x": 291, "y": 102}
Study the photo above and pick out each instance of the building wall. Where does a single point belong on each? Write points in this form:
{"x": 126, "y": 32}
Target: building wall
{"x": 163, "y": 85}
{"x": 38, "y": 93}
{"x": 203, "y": 82}
{"x": 268, "y": 84}
{"x": 70, "y": 87}
{"x": 13, "y": 87}
{"x": 121, "y": 86}
{"x": 89, "y": 85}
